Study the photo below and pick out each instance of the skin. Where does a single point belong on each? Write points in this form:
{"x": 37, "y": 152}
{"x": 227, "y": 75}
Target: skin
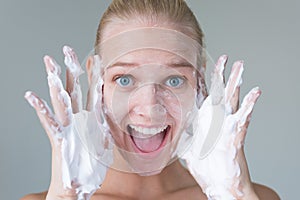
{"x": 147, "y": 92}
{"x": 122, "y": 185}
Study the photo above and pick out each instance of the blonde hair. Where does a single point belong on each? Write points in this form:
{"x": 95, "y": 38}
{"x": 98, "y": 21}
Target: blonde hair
{"x": 157, "y": 12}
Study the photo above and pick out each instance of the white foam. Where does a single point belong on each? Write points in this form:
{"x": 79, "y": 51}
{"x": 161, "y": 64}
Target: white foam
{"x": 217, "y": 171}
{"x": 81, "y": 163}
{"x": 71, "y": 62}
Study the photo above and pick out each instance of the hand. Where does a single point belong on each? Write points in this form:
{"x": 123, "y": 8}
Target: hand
{"x": 216, "y": 158}
{"x": 76, "y": 169}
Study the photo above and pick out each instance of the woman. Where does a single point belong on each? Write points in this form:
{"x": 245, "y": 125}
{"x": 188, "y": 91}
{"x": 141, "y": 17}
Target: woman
{"x": 145, "y": 93}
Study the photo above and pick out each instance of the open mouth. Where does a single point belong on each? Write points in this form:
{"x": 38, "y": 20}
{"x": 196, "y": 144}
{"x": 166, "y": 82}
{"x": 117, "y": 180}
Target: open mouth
{"x": 148, "y": 140}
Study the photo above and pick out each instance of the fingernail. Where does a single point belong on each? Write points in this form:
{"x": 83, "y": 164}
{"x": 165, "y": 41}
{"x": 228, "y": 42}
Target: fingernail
{"x": 257, "y": 90}
{"x": 223, "y": 59}
{"x": 30, "y": 98}
{"x": 220, "y": 66}
{"x": 67, "y": 50}
{"x": 51, "y": 65}
{"x": 68, "y": 56}
{"x": 239, "y": 63}
{"x": 237, "y": 70}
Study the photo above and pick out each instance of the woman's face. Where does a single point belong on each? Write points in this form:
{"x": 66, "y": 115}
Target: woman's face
{"x": 148, "y": 96}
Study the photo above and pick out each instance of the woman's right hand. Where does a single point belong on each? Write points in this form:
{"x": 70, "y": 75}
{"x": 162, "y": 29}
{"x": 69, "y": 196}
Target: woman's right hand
{"x": 76, "y": 172}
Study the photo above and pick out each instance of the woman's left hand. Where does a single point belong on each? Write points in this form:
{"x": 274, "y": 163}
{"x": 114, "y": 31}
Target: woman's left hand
{"x": 216, "y": 158}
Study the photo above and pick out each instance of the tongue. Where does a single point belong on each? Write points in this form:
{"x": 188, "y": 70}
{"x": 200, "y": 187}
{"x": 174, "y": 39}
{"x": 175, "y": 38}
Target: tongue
{"x": 149, "y": 144}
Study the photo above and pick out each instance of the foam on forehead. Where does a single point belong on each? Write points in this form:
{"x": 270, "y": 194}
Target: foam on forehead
{"x": 150, "y": 38}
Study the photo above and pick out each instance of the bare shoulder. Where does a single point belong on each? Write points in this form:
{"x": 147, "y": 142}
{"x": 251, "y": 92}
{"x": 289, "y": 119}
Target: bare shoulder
{"x": 36, "y": 196}
{"x": 265, "y": 193}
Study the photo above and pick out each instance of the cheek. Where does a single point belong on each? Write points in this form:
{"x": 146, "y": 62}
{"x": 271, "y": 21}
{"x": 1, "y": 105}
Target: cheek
{"x": 178, "y": 105}
{"x": 116, "y": 111}
{"x": 187, "y": 100}
{"x": 172, "y": 103}
{"x": 116, "y": 104}
{"x": 188, "y": 105}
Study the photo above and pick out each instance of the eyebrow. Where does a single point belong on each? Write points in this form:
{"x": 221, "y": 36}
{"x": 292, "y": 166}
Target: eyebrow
{"x": 123, "y": 64}
{"x": 180, "y": 64}
{"x": 171, "y": 64}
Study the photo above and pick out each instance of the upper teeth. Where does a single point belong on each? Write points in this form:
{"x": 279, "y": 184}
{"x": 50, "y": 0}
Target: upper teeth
{"x": 148, "y": 131}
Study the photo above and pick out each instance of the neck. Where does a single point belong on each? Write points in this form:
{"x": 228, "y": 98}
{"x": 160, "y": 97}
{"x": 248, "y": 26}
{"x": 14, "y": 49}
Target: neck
{"x": 174, "y": 177}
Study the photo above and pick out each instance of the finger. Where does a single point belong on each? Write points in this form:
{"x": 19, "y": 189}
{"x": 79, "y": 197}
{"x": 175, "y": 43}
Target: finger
{"x": 72, "y": 84}
{"x": 247, "y": 105}
{"x": 202, "y": 92}
{"x": 44, "y": 113}
{"x": 235, "y": 100}
{"x": 233, "y": 86}
{"x": 60, "y": 99}
{"x": 244, "y": 113}
{"x": 93, "y": 94}
{"x": 98, "y": 102}
{"x": 217, "y": 81}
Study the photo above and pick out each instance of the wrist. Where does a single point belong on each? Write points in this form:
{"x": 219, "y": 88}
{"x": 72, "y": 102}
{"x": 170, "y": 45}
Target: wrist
{"x": 60, "y": 193}
{"x": 250, "y": 197}
{"x": 249, "y": 194}
{"x": 61, "y": 197}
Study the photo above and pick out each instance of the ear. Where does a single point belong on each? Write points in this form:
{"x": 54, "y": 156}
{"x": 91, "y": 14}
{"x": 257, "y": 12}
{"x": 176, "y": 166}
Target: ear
{"x": 90, "y": 63}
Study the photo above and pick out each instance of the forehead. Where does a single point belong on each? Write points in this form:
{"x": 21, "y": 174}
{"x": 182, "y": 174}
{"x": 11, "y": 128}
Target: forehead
{"x": 148, "y": 45}
{"x": 152, "y": 56}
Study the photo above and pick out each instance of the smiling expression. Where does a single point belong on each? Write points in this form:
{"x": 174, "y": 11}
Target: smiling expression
{"x": 148, "y": 95}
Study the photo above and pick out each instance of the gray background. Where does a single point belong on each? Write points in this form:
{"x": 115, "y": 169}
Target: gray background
{"x": 265, "y": 34}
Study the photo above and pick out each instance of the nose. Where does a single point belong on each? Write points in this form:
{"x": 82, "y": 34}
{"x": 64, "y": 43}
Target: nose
{"x": 147, "y": 104}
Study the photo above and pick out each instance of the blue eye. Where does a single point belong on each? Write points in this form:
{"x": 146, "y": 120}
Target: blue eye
{"x": 124, "y": 81}
{"x": 174, "y": 82}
